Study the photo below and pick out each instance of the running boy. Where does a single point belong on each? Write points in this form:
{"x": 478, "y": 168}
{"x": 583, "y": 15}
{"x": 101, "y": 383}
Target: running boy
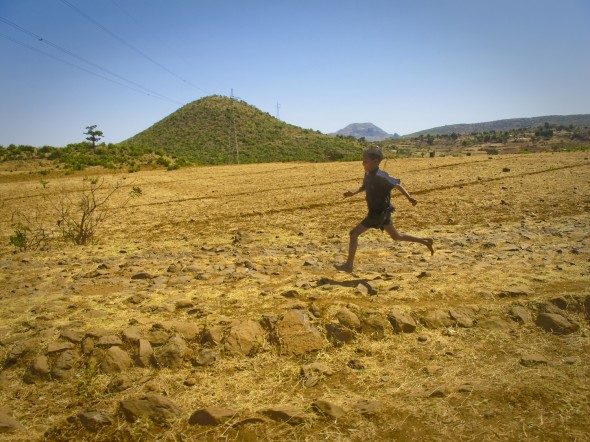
{"x": 377, "y": 186}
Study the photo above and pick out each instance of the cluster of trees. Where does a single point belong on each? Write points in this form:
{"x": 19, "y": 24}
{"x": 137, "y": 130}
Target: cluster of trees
{"x": 78, "y": 156}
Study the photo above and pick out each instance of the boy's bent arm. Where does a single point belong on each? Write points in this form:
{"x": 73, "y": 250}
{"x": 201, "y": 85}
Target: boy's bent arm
{"x": 406, "y": 194}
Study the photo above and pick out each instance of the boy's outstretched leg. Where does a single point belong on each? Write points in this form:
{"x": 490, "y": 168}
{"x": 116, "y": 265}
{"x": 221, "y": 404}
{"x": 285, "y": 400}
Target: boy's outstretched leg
{"x": 352, "y": 246}
{"x": 396, "y": 236}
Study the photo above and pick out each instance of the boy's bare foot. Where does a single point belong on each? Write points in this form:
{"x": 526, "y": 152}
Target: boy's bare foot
{"x": 429, "y": 242}
{"x": 343, "y": 268}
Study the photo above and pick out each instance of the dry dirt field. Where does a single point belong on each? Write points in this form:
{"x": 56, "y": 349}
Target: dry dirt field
{"x": 209, "y": 308}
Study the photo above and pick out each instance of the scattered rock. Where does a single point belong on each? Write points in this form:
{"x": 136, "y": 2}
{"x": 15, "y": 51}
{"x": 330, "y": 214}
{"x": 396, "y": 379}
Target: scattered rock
{"x": 38, "y": 370}
{"x": 244, "y": 338}
{"x": 401, "y": 321}
{"x": 437, "y": 319}
{"x": 8, "y": 424}
{"x": 171, "y": 355}
{"x": 376, "y": 324}
{"x": 94, "y": 420}
{"x": 142, "y": 275}
{"x": 338, "y": 334}
{"x": 316, "y": 368}
{"x": 206, "y": 357}
{"x": 64, "y": 364}
{"x": 109, "y": 341}
{"x": 213, "y": 335}
{"x": 348, "y": 318}
{"x": 441, "y": 391}
{"x": 287, "y": 414}
{"x": 152, "y": 406}
{"x": 296, "y": 335}
{"x": 132, "y": 334}
{"x": 532, "y": 359}
{"x": 521, "y": 315}
{"x": 355, "y": 364}
{"x": 115, "y": 360}
{"x": 494, "y": 323}
{"x": 368, "y": 407}
{"x": 119, "y": 383}
{"x": 463, "y": 316}
{"x": 211, "y": 416}
{"x": 57, "y": 347}
{"x": 433, "y": 369}
{"x": 557, "y": 324}
{"x": 328, "y": 408}
{"x": 560, "y": 302}
{"x": 71, "y": 335}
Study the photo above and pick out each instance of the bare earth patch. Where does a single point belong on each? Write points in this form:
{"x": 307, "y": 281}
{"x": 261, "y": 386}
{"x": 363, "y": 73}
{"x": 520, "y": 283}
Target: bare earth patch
{"x": 210, "y": 308}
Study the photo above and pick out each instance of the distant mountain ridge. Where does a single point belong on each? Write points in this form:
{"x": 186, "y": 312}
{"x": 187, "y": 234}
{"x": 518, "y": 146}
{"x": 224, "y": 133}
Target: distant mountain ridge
{"x": 368, "y": 131}
{"x": 578, "y": 120}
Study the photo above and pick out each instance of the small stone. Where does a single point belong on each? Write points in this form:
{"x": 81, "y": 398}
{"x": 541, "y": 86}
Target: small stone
{"x": 422, "y": 338}
{"x": 316, "y": 368}
{"x": 190, "y": 382}
{"x": 521, "y": 315}
{"x": 311, "y": 381}
{"x": 401, "y": 321}
{"x": 441, "y": 391}
{"x": 355, "y": 364}
{"x": 433, "y": 369}
{"x": 119, "y": 383}
{"x": 115, "y": 360}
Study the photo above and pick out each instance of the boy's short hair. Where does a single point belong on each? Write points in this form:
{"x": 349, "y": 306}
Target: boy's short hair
{"x": 374, "y": 153}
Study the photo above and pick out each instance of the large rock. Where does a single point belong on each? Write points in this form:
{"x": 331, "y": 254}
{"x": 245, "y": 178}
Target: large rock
{"x": 171, "y": 355}
{"x": 38, "y": 370}
{"x": 401, "y": 322}
{"x": 521, "y": 315}
{"x": 376, "y": 324}
{"x": 437, "y": 319}
{"x": 297, "y": 336}
{"x": 211, "y": 416}
{"x": 555, "y": 323}
{"x": 463, "y": 316}
{"x": 114, "y": 360}
{"x": 348, "y": 319}
{"x": 64, "y": 364}
{"x": 145, "y": 353}
{"x": 244, "y": 338}
{"x": 339, "y": 334}
{"x": 152, "y": 406}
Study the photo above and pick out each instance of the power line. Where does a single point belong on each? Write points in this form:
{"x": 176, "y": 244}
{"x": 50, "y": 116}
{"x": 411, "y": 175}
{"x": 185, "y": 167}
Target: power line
{"x": 84, "y": 69}
{"x": 130, "y": 46}
{"x": 66, "y": 51}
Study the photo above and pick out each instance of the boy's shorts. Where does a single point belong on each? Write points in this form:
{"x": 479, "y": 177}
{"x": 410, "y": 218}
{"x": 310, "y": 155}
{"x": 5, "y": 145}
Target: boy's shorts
{"x": 378, "y": 220}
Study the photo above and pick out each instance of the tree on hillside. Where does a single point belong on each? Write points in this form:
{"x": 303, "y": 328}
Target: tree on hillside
{"x": 93, "y": 135}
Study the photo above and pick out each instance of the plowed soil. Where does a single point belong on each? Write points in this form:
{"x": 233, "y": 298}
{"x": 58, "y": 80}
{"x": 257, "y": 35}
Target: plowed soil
{"x": 243, "y": 242}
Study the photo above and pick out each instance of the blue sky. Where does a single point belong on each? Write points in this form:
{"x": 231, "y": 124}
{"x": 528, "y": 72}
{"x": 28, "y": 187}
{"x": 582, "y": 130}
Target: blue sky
{"x": 403, "y": 65}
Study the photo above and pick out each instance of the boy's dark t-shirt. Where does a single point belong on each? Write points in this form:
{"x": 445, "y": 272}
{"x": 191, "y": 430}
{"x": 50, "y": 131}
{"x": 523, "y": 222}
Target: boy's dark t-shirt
{"x": 377, "y": 186}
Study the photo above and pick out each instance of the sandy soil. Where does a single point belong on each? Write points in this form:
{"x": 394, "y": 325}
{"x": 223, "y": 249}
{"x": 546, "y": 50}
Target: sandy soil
{"x": 246, "y": 242}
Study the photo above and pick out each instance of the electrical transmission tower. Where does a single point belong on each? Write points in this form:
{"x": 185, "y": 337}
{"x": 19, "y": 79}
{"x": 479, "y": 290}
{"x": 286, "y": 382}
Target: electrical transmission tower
{"x": 233, "y": 118}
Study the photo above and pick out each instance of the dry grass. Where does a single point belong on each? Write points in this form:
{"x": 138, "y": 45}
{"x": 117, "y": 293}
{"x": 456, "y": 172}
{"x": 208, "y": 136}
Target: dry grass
{"x": 252, "y": 233}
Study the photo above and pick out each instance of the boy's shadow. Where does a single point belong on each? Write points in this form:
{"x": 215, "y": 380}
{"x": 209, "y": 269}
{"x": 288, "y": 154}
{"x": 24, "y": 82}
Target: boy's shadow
{"x": 349, "y": 283}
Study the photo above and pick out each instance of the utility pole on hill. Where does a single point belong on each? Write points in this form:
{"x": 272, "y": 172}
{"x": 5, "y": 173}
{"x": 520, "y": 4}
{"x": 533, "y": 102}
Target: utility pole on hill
{"x": 233, "y": 117}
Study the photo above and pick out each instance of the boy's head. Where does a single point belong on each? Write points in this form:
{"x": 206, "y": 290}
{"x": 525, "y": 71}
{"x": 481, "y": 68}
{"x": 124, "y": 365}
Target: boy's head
{"x": 372, "y": 158}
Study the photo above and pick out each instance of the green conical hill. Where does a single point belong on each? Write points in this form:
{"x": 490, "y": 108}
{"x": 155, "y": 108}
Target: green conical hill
{"x": 207, "y": 131}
